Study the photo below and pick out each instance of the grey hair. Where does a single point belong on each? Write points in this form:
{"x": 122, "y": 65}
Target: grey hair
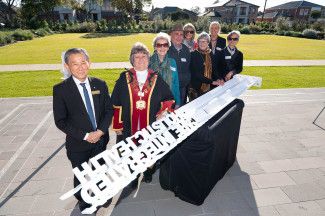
{"x": 215, "y": 23}
{"x": 161, "y": 35}
{"x": 204, "y": 35}
{"x": 187, "y": 26}
{"x": 139, "y": 47}
{"x": 234, "y": 32}
{"x": 73, "y": 51}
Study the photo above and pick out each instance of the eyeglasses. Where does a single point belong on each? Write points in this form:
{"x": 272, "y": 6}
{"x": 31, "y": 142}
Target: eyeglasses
{"x": 166, "y": 45}
{"x": 191, "y": 32}
{"x": 233, "y": 39}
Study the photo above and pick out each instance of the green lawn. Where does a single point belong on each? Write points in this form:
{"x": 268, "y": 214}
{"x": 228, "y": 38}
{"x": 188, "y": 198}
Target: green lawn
{"x": 111, "y": 48}
{"x": 40, "y": 83}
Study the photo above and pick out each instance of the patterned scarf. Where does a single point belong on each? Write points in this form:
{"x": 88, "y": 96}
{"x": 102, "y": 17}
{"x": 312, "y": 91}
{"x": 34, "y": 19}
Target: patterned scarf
{"x": 207, "y": 69}
{"x": 163, "y": 68}
{"x": 189, "y": 44}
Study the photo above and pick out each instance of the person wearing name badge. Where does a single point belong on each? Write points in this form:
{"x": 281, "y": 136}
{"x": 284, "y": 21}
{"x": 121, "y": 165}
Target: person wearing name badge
{"x": 182, "y": 56}
{"x": 140, "y": 97}
{"x": 205, "y": 73}
{"x": 82, "y": 109}
{"x": 233, "y": 57}
{"x": 217, "y": 43}
{"x": 163, "y": 65}
{"x": 189, "y": 35}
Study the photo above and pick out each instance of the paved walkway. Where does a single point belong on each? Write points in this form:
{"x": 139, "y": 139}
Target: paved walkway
{"x": 280, "y": 167}
{"x": 112, "y": 65}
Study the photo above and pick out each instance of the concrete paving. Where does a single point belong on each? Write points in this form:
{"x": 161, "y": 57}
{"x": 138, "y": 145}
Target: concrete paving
{"x": 280, "y": 167}
{"x": 117, "y": 65}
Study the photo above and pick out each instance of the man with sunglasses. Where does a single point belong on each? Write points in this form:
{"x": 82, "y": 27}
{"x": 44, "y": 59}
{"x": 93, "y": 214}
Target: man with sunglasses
{"x": 182, "y": 56}
{"x": 233, "y": 57}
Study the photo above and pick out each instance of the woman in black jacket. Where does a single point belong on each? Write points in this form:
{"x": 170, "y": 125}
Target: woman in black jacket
{"x": 233, "y": 57}
{"x": 206, "y": 69}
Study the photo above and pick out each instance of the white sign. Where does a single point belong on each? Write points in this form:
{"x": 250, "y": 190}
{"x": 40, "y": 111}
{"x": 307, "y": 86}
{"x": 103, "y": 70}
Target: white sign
{"x": 115, "y": 168}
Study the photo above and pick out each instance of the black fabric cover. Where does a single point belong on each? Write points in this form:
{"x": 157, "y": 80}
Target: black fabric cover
{"x": 194, "y": 167}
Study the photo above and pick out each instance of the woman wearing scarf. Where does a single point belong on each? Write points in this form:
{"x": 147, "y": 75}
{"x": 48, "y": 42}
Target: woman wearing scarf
{"x": 205, "y": 73}
{"x": 232, "y": 56}
{"x": 163, "y": 65}
{"x": 189, "y": 35}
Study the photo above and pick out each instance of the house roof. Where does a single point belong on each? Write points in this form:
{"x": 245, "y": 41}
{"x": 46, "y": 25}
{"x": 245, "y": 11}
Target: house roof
{"x": 295, "y": 4}
{"x": 169, "y": 10}
{"x": 230, "y": 3}
{"x": 212, "y": 14}
{"x": 269, "y": 15}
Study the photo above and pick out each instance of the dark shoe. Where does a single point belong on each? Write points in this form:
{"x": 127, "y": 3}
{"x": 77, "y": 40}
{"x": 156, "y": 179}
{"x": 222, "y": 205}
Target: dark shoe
{"x": 83, "y": 205}
{"x": 147, "y": 176}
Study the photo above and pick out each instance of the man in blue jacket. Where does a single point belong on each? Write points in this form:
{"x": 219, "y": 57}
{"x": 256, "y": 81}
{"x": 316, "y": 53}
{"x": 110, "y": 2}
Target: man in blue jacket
{"x": 181, "y": 54}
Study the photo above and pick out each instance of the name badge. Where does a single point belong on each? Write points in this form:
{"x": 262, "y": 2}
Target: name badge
{"x": 227, "y": 57}
{"x": 219, "y": 49}
{"x": 172, "y": 68}
{"x": 183, "y": 59}
{"x": 96, "y": 92}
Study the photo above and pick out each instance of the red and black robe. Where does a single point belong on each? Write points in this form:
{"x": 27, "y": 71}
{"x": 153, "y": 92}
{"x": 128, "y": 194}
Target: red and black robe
{"x": 129, "y": 117}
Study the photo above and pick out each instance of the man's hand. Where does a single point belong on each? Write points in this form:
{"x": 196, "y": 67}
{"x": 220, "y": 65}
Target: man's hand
{"x": 95, "y": 136}
{"x": 229, "y": 75}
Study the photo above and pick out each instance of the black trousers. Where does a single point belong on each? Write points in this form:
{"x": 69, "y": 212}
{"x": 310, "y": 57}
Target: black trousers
{"x": 77, "y": 158}
{"x": 183, "y": 93}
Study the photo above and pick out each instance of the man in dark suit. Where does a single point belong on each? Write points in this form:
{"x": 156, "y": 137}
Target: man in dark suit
{"x": 82, "y": 110}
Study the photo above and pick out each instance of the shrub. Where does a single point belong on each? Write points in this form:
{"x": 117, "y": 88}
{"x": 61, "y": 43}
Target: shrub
{"x": 319, "y": 26}
{"x": 254, "y": 29}
{"x": 299, "y": 25}
{"x": 282, "y": 24}
{"x": 310, "y": 33}
{"x": 245, "y": 30}
{"x": 202, "y": 24}
{"x": 84, "y": 27}
{"x": 296, "y": 34}
{"x": 41, "y": 32}
{"x": 321, "y": 35}
{"x": 22, "y": 35}
{"x": 5, "y": 38}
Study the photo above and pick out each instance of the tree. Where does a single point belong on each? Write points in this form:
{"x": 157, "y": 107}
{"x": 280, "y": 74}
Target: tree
{"x": 130, "y": 7}
{"x": 315, "y": 14}
{"x": 264, "y": 10}
{"x": 33, "y": 11}
{"x": 196, "y": 9}
{"x": 8, "y": 12}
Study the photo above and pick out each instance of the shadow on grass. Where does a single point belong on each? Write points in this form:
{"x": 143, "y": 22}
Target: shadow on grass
{"x": 104, "y": 35}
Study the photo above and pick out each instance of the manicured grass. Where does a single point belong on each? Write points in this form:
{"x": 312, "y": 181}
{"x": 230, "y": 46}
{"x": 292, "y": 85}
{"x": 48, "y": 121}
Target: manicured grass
{"x": 112, "y": 48}
{"x": 40, "y": 83}
{"x": 288, "y": 77}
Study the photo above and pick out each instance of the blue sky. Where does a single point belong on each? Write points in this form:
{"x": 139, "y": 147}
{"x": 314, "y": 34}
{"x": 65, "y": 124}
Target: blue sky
{"x": 188, "y": 4}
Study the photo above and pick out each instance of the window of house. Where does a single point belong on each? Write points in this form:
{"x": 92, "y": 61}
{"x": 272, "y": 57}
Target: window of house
{"x": 301, "y": 12}
{"x": 66, "y": 16}
{"x": 242, "y": 11}
{"x": 306, "y": 12}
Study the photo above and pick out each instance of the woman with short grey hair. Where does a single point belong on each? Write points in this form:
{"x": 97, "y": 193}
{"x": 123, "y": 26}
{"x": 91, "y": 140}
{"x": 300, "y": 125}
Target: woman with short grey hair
{"x": 140, "y": 96}
{"x": 217, "y": 42}
{"x": 205, "y": 73}
{"x": 138, "y": 48}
